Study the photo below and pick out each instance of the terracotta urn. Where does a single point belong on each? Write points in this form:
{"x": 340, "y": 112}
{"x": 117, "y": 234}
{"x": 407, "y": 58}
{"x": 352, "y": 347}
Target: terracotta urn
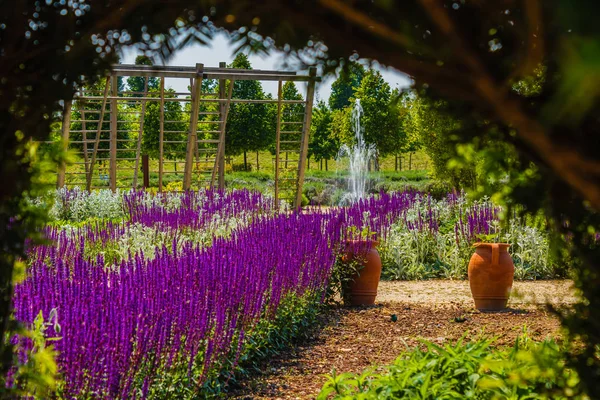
{"x": 363, "y": 289}
{"x": 491, "y": 272}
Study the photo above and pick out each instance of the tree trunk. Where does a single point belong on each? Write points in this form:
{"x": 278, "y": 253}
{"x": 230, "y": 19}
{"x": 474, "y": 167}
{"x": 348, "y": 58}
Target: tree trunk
{"x": 257, "y": 166}
{"x": 286, "y": 159}
{"x": 321, "y": 164}
{"x": 245, "y": 162}
{"x": 326, "y": 165}
{"x": 396, "y": 162}
{"x": 175, "y": 166}
{"x": 376, "y": 163}
{"x": 410, "y": 160}
{"x": 307, "y": 163}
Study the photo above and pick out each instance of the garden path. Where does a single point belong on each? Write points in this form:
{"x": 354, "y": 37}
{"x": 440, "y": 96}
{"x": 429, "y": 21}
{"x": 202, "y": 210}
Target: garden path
{"x": 354, "y": 339}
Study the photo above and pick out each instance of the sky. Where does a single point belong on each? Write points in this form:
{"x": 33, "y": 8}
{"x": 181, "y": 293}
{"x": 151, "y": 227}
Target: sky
{"x": 221, "y": 50}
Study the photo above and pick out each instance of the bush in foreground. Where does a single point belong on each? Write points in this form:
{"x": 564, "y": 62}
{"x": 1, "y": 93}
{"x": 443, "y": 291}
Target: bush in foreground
{"x": 473, "y": 370}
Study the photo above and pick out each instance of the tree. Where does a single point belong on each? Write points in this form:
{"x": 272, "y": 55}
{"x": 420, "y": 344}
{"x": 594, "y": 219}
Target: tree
{"x": 380, "y": 120}
{"x": 433, "y": 130}
{"x": 292, "y": 117}
{"x": 323, "y": 144}
{"x": 345, "y": 85}
{"x": 92, "y": 112}
{"x": 247, "y": 124}
{"x": 469, "y": 54}
{"x": 175, "y": 125}
{"x": 137, "y": 83}
{"x": 341, "y": 126}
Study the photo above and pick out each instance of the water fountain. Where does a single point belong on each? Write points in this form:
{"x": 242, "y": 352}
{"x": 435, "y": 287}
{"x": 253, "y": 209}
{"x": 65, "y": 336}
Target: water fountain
{"x": 359, "y": 157}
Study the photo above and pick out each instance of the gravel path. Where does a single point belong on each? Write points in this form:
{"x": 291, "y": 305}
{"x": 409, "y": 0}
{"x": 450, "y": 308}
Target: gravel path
{"x": 354, "y": 339}
{"x": 448, "y": 291}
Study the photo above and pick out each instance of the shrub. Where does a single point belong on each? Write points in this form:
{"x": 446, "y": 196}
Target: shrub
{"x": 472, "y": 370}
{"x": 78, "y": 205}
{"x": 435, "y": 237}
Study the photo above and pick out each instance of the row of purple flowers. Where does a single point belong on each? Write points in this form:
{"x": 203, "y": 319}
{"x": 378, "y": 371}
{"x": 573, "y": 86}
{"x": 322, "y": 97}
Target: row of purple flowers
{"x": 188, "y": 306}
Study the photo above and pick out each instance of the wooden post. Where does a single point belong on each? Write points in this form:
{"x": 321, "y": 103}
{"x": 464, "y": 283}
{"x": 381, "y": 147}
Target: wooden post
{"x": 222, "y": 113}
{"x": 84, "y": 137}
{"x": 146, "y": 170}
{"x": 220, "y": 159}
{"x": 310, "y": 93}
{"x": 277, "y": 141}
{"x": 66, "y": 128}
{"x": 161, "y": 134}
{"x": 192, "y": 136}
{"x": 98, "y": 132}
{"x": 139, "y": 140}
{"x": 113, "y": 135}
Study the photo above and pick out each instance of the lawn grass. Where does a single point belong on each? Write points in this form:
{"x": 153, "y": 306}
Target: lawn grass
{"x": 322, "y": 186}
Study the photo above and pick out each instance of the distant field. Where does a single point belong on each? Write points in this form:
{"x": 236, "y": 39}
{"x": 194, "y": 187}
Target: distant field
{"x": 418, "y": 161}
{"x": 235, "y": 175}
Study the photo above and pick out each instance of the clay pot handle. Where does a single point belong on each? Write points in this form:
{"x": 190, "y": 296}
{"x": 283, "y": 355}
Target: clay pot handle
{"x": 495, "y": 253}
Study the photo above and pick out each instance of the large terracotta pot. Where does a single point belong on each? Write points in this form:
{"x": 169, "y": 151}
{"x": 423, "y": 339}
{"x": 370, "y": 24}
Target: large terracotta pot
{"x": 491, "y": 272}
{"x": 363, "y": 289}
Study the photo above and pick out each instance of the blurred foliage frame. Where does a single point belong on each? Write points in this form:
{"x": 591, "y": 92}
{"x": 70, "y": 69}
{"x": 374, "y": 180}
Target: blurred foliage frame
{"x": 469, "y": 54}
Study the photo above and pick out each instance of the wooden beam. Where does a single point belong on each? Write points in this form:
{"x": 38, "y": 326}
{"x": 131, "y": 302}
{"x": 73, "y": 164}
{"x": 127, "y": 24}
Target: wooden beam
{"x": 277, "y": 142}
{"x": 66, "y": 128}
{"x": 138, "y": 149}
{"x": 146, "y": 171}
{"x": 113, "y": 135}
{"x": 220, "y": 159}
{"x": 192, "y": 137}
{"x": 222, "y": 117}
{"x": 310, "y": 93}
{"x": 161, "y": 135}
{"x": 186, "y": 100}
{"x": 180, "y": 68}
{"x": 240, "y": 75}
{"x": 84, "y": 137}
{"x": 97, "y": 141}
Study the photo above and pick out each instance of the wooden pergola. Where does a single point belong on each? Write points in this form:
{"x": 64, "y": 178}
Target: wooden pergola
{"x": 210, "y": 169}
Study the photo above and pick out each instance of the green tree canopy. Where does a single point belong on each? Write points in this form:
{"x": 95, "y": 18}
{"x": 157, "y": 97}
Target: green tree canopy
{"x": 175, "y": 127}
{"x": 137, "y": 83}
{"x": 323, "y": 144}
{"x": 248, "y": 128}
{"x": 345, "y": 85}
{"x": 380, "y": 118}
{"x": 434, "y": 131}
{"x": 92, "y": 111}
{"x": 341, "y": 127}
{"x": 292, "y": 117}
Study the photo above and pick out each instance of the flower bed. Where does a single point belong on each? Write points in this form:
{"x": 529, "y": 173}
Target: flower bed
{"x": 434, "y": 239}
{"x": 125, "y": 327}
